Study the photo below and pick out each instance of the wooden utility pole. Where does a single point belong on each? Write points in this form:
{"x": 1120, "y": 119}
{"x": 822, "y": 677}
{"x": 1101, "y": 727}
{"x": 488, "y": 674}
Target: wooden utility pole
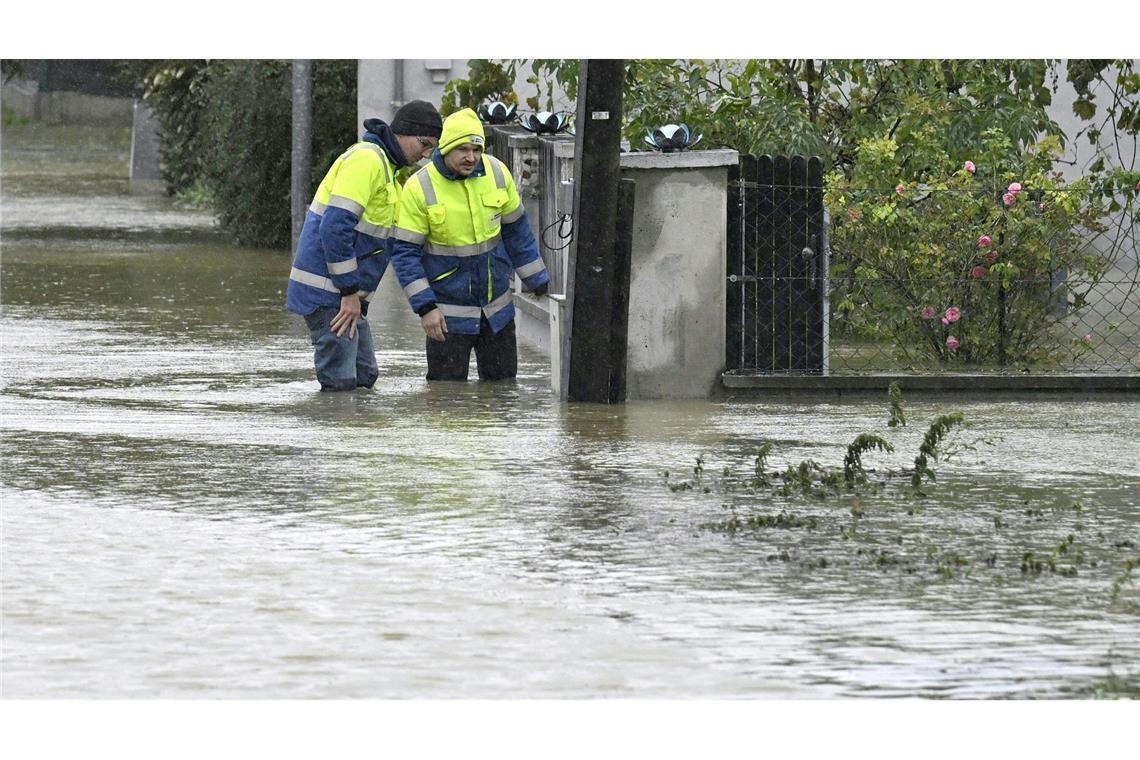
{"x": 302, "y": 154}
{"x": 599, "y": 269}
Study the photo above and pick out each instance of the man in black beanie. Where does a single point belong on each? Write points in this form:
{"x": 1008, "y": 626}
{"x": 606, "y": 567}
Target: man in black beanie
{"x": 343, "y": 249}
{"x": 418, "y": 118}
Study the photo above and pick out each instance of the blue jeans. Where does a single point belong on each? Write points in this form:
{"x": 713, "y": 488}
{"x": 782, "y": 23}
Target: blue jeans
{"x": 342, "y": 363}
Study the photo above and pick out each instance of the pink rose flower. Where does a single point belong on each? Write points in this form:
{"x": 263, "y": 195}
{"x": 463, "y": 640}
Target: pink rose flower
{"x": 1009, "y": 198}
{"x": 1087, "y": 338}
{"x": 969, "y": 166}
{"x": 984, "y": 241}
{"x": 991, "y": 257}
{"x": 952, "y": 315}
{"x": 929, "y": 312}
{"x": 900, "y": 188}
{"x": 1015, "y": 188}
{"x": 952, "y": 343}
{"x": 1040, "y": 206}
{"x": 978, "y": 272}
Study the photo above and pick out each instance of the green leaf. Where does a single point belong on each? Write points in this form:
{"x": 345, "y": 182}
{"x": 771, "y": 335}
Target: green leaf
{"x": 1085, "y": 109}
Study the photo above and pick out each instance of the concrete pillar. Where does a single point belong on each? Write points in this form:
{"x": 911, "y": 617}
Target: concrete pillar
{"x": 677, "y": 296}
{"x": 145, "y": 175}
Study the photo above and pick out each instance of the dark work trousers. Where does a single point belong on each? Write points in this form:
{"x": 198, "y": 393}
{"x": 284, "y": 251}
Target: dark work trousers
{"x": 342, "y": 363}
{"x": 496, "y": 354}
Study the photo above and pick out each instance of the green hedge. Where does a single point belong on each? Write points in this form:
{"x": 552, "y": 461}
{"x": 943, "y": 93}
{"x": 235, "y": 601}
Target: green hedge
{"x": 227, "y": 125}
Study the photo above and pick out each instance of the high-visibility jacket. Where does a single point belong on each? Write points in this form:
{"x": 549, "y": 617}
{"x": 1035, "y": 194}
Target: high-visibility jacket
{"x": 343, "y": 246}
{"x": 458, "y": 240}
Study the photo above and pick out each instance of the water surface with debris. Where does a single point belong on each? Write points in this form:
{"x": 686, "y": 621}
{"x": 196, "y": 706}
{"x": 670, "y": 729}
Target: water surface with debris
{"x": 185, "y": 515}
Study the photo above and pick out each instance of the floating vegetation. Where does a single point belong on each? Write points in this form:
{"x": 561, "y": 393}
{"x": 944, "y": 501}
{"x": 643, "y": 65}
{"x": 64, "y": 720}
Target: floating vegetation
{"x": 853, "y": 472}
{"x": 785, "y": 520}
{"x": 761, "y": 469}
{"x": 812, "y": 515}
{"x": 928, "y": 451}
{"x": 1124, "y": 578}
{"x": 898, "y": 417}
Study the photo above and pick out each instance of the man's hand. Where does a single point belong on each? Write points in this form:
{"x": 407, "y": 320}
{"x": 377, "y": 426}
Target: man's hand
{"x": 348, "y": 316}
{"x": 434, "y": 324}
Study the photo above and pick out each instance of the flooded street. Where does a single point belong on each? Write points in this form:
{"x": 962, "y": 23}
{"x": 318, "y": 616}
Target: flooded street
{"x": 185, "y": 515}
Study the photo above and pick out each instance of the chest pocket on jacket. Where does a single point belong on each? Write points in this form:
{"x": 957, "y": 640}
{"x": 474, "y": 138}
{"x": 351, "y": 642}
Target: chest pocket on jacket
{"x": 493, "y": 203}
{"x": 383, "y": 206}
{"x": 437, "y": 224}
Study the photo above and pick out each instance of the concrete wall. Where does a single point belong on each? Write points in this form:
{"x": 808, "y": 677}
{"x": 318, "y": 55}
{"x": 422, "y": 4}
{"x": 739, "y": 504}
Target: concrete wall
{"x": 1080, "y": 154}
{"x": 423, "y": 79}
{"x": 378, "y": 92}
{"x": 24, "y": 99}
{"x": 676, "y": 344}
{"x": 1080, "y": 151}
{"x": 676, "y": 339}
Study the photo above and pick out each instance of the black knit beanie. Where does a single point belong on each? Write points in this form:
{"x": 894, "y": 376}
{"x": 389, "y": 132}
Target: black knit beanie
{"x": 417, "y": 118}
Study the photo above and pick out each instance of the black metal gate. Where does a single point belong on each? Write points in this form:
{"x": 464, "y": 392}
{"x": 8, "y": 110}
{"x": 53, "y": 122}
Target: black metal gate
{"x": 777, "y": 266}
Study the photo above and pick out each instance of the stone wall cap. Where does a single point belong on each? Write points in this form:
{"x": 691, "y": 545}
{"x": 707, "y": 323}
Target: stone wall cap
{"x": 688, "y": 159}
{"x": 522, "y": 139}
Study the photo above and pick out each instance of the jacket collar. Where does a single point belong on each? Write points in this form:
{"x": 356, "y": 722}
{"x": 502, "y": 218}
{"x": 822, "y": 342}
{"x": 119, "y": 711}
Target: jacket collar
{"x": 437, "y": 159}
{"x": 381, "y": 134}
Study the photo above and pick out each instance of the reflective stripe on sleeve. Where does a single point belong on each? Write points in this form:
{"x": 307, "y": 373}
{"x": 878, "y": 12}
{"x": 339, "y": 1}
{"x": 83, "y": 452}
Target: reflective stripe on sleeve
{"x": 429, "y": 191}
{"x": 317, "y": 208}
{"x": 342, "y": 267}
{"x": 409, "y": 236}
{"x": 534, "y": 267}
{"x": 416, "y": 286}
{"x": 499, "y": 303}
{"x": 348, "y": 204}
{"x": 497, "y": 170}
{"x": 475, "y": 249}
{"x": 513, "y": 216}
{"x": 375, "y": 230}
{"x": 314, "y": 280}
{"x": 451, "y": 310}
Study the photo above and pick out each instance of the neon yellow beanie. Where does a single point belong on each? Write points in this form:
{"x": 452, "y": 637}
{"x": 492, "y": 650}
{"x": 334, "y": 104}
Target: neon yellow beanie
{"x": 459, "y": 128}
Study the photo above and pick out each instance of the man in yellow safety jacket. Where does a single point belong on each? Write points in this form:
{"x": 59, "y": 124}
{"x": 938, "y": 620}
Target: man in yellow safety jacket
{"x": 461, "y": 236}
{"x": 343, "y": 249}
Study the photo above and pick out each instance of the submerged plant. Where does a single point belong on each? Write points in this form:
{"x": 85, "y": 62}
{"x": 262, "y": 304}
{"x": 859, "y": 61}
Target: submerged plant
{"x": 898, "y": 418}
{"x": 1124, "y": 577}
{"x": 928, "y": 451}
{"x": 803, "y": 477}
{"x": 758, "y": 522}
{"x": 761, "y": 478}
{"x": 853, "y": 463}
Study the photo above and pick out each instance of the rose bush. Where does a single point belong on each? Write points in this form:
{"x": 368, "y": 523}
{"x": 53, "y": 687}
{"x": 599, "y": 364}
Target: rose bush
{"x": 900, "y": 256}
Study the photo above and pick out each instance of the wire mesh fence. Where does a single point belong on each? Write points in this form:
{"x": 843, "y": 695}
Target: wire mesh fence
{"x": 948, "y": 280}
{"x": 1026, "y": 325}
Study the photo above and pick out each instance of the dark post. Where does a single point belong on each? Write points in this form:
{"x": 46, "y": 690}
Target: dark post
{"x": 734, "y": 289}
{"x": 623, "y": 257}
{"x": 594, "y": 337}
{"x": 43, "y": 88}
{"x": 302, "y": 171}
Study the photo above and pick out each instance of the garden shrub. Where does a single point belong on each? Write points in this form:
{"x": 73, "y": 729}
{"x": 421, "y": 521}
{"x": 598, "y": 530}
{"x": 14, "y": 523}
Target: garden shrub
{"x": 249, "y": 131}
{"x": 227, "y": 125}
{"x": 971, "y": 263}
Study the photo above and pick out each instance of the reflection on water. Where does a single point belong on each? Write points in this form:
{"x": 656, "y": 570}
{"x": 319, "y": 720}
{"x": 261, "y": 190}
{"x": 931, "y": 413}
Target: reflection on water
{"x": 185, "y": 515}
